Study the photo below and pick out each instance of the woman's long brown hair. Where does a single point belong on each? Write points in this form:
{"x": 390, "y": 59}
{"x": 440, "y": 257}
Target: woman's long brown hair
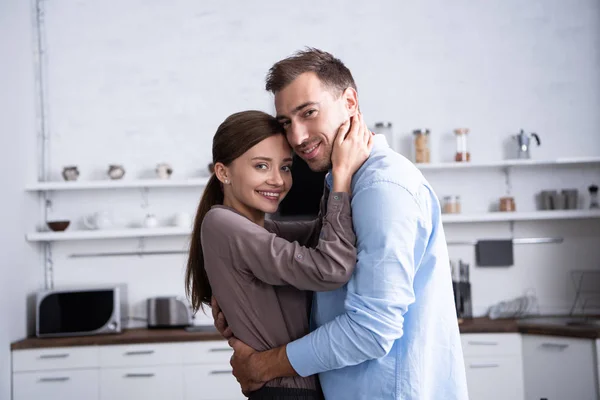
{"x": 236, "y": 135}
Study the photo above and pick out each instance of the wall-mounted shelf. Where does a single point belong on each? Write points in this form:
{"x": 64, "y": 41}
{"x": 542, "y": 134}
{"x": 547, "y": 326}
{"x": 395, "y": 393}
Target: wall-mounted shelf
{"x": 172, "y": 231}
{"x": 509, "y": 163}
{"x": 521, "y": 216}
{"x": 115, "y": 184}
{"x": 106, "y": 234}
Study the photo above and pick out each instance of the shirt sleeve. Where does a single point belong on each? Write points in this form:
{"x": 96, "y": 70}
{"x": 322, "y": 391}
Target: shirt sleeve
{"x": 391, "y": 238}
{"x": 276, "y": 261}
{"x": 304, "y": 232}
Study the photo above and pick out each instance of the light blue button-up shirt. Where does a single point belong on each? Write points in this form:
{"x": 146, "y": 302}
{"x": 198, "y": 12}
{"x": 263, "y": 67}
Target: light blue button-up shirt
{"x": 392, "y": 331}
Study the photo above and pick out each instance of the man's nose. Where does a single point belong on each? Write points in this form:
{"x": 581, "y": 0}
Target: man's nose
{"x": 297, "y": 134}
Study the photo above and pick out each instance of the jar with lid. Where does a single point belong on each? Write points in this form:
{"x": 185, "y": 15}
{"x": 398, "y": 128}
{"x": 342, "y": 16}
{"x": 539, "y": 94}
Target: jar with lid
{"x": 385, "y": 128}
{"x": 422, "y": 153}
{"x": 451, "y": 205}
{"x": 462, "y": 151}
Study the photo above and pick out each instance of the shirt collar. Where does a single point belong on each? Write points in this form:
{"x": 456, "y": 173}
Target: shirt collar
{"x": 379, "y": 142}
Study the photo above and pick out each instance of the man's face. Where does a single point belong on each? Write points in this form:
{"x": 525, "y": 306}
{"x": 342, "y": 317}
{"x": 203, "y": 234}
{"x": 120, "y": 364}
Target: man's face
{"x": 311, "y": 115}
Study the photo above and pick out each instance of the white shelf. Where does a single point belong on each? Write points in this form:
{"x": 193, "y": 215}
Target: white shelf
{"x": 116, "y": 184}
{"x": 509, "y": 163}
{"x": 521, "y": 216}
{"x": 172, "y": 231}
{"x": 106, "y": 234}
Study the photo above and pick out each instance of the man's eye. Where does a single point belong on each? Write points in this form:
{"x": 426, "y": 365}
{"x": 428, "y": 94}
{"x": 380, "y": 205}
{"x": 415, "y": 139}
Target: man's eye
{"x": 285, "y": 124}
{"x": 309, "y": 113}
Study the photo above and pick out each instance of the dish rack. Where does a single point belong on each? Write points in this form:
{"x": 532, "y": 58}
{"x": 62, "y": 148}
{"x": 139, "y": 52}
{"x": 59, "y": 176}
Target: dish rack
{"x": 587, "y": 290}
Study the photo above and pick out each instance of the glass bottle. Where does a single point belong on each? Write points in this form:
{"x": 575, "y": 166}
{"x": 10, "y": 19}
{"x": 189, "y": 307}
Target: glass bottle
{"x": 462, "y": 151}
{"x": 422, "y": 152}
{"x": 594, "y": 196}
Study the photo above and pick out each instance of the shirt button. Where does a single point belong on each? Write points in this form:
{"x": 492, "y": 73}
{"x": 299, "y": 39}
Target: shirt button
{"x": 336, "y": 197}
{"x": 299, "y": 256}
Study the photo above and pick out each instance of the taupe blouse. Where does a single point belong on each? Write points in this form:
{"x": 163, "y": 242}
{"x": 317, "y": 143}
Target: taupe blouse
{"x": 262, "y": 278}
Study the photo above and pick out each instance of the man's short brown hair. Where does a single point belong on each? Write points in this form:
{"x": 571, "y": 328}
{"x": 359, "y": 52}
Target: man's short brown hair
{"x": 331, "y": 71}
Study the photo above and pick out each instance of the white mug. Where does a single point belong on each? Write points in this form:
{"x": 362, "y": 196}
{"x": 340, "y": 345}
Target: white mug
{"x": 98, "y": 220}
{"x": 150, "y": 221}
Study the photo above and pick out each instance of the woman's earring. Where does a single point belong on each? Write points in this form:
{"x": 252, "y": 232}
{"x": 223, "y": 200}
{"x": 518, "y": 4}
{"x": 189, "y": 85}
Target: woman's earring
{"x": 227, "y": 181}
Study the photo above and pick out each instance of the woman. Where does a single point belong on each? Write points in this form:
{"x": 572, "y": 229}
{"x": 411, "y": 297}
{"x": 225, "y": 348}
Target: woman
{"x": 261, "y": 280}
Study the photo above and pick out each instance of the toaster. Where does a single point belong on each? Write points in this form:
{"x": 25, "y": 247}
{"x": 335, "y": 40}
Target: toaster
{"x": 168, "y": 312}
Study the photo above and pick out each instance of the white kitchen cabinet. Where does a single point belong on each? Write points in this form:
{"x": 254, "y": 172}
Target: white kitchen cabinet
{"x": 148, "y": 383}
{"x": 56, "y": 385}
{"x": 559, "y": 368}
{"x": 493, "y": 365}
{"x": 210, "y": 382}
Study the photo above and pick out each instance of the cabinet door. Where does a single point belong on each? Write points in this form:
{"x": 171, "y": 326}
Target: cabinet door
{"x": 147, "y": 383}
{"x": 56, "y": 385}
{"x": 559, "y": 368}
{"x": 494, "y": 378}
{"x": 210, "y": 382}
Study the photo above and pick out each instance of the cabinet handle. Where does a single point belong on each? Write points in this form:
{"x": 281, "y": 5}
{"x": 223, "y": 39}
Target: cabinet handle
{"x": 222, "y": 372}
{"x": 482, "y": 343}
{"x": 139, "y": 375}
{"x": 57, "y": 379}
{"x": 560, "y": 346}
{"x": 220, "y": 350}
{"x": 483, "y": 366}
{"x": 47, "y": 356}
{"x": 139, "y": 352}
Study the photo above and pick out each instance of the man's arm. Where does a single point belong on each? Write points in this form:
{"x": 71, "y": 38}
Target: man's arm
{"x": 392, "y": 236}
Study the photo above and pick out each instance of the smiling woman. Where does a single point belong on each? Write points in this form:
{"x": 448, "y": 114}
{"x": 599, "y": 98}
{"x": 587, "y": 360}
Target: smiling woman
{"x": 261, "y": 272}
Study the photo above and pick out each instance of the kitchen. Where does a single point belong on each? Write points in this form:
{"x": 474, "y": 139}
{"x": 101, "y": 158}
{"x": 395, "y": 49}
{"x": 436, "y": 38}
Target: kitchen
{"x": 131, "y": 93}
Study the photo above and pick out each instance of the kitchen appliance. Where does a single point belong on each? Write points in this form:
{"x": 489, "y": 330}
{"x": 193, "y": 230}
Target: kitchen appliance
{"x": 524, "y": 143}
{"x": 80, "y": 311}
{"x": 462, "y": 289}
{"x": 168, "y": 312}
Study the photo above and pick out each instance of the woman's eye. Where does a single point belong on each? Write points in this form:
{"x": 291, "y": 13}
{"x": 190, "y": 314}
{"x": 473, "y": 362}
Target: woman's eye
{"x": 262, "y": 166}
{"x": 286, "y": 168}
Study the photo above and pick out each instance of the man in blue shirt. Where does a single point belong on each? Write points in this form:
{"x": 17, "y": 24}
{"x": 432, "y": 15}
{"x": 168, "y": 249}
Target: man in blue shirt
{"x": 392, "y": 331}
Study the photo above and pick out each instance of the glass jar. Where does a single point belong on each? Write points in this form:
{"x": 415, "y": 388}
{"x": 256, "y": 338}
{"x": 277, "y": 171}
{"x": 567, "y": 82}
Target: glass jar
{"x": 507, "y": 204}
{"x": 462, "y": 151}
{"x": 422, "y": 153}
{"x": 385, "y": 128}
{"x": 451, "y": 205}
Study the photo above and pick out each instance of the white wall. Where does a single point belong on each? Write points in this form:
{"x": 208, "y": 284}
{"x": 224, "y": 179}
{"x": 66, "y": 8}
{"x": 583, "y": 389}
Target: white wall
{"x": 141, "y": 82}
{"x": 20, "y": 271}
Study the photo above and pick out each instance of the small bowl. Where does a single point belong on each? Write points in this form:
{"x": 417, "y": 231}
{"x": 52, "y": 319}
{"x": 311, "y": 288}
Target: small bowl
{"x": 58, "y": 226}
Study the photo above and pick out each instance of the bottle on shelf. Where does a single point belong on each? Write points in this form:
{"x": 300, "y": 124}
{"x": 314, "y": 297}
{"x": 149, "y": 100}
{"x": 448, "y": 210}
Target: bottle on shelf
{"x": 462, "y": 151}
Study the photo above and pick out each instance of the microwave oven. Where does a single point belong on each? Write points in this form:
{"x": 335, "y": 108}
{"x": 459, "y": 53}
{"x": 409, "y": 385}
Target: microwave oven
{"x": 81, "y": 311}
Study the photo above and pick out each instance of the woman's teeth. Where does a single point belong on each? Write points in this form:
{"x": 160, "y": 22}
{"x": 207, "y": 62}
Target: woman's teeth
{"x": 272, "y": 195}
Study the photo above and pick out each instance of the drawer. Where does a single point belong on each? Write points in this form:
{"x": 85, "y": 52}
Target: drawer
{"x": 55, "y": 358}
{"x": 210, "y": 382}
{"x": 212, "y": 352}
{"x": 491, "y": 344}
{"x": 143, "y": 383}
{"x": 56, "y": 385}
{"x": 494, "y": 378}
{"x": 140, "y": 355}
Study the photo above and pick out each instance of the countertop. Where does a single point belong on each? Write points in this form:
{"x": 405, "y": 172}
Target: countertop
{"x": 537, "y": 326}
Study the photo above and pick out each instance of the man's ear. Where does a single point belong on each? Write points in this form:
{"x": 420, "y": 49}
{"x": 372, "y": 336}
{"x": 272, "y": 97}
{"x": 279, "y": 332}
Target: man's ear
{"x": 350, "y": 98}
{"x": 222, "y": 172}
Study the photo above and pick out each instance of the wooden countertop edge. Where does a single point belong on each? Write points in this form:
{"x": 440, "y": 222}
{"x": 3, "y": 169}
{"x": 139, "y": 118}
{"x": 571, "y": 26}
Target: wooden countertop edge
{"x": 143, "y": 335}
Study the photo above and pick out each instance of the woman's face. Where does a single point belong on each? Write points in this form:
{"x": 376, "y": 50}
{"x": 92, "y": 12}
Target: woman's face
{"x": 261, "y": 177}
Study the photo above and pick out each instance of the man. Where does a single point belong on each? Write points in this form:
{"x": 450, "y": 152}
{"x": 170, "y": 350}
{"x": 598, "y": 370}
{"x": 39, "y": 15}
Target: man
{"x": 391, "y": 332}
